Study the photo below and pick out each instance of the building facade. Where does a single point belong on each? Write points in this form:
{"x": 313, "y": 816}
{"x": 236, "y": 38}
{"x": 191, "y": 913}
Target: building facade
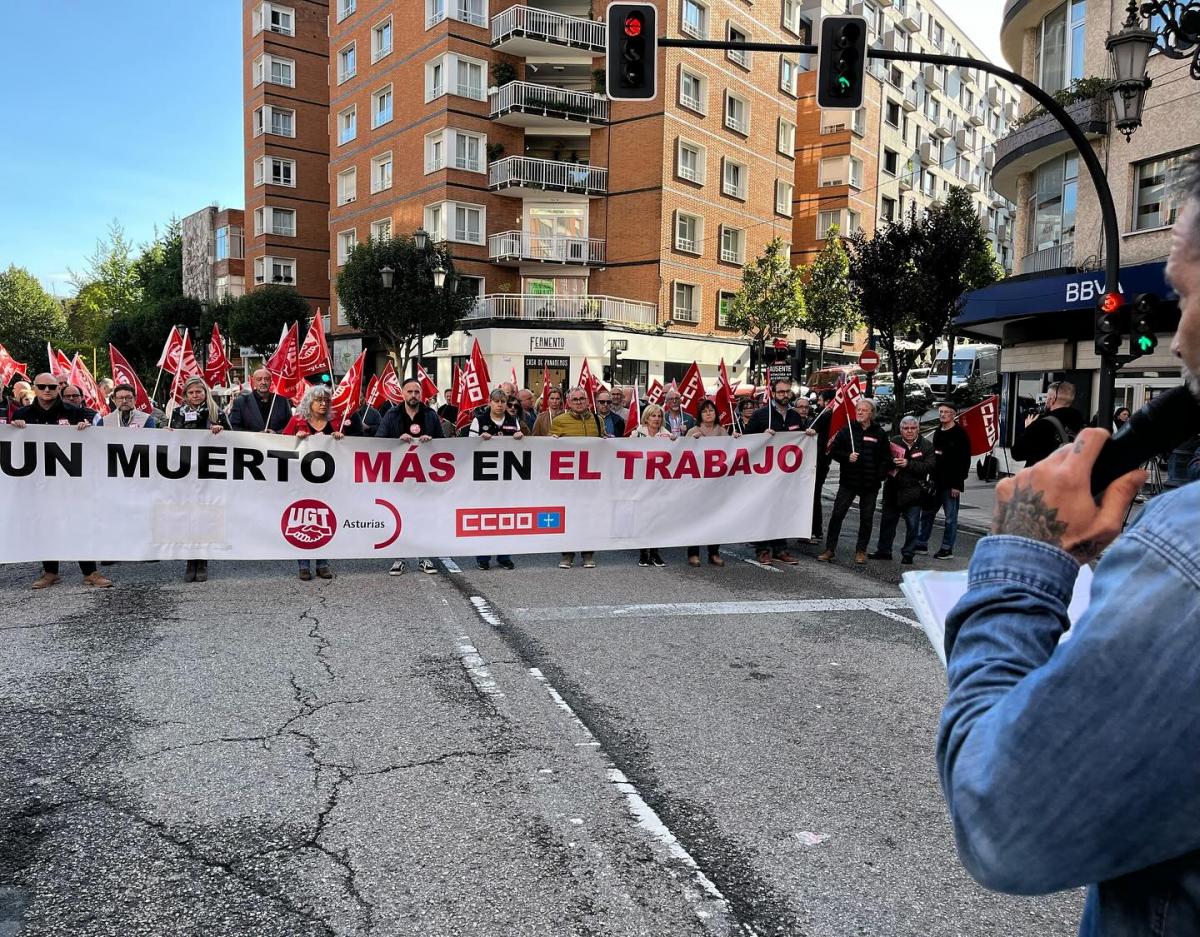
{"x": 1044, "y": 314}
{"x": 213, "y": 254}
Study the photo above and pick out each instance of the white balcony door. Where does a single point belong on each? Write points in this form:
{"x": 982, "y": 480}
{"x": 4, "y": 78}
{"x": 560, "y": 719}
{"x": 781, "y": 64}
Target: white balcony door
{"x": 547, "y": 223}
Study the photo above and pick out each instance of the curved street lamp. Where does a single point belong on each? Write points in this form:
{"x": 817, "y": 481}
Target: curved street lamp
{"x": 1130, "y": 50}
{"x": 439, "y": 277}
{"x": 420, "y": 238}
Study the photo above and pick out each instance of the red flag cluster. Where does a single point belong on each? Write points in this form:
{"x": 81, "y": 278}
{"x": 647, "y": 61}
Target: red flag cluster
{"x": 841, "y": 408}
{"x": 982, "y": 425}
{"x": 10, "y": 367}
{"x": 473, "y": 383}
{"x": 123, "y": 373}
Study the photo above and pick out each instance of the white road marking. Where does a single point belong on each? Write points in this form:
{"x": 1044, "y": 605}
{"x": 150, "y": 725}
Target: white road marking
{"x": 753, "y": 562}
{"x": 484, "y": 610}
{"x": 893, "y": 615}
{"x": 451, "y": 566}
{"x": 692, "y": 609}
{"x": 476, "y": 667}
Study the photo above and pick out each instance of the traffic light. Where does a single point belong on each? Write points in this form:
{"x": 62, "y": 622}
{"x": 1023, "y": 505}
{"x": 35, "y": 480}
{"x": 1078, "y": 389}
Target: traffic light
{"x": 842, "y": 62}
{"x": 1111, "y": 314}
{"x": 799, "y": 359}
{"x": 1142, "y": 340}
{"x": 631, "y": 67}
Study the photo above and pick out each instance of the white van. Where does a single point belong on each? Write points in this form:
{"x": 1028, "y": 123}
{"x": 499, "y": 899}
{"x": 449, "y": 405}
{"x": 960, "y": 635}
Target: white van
{"x": 969, "y": 361}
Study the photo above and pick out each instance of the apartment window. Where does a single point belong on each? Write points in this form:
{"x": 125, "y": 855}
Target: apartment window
{"x": 435, "y": 12}
{"x": 468, "y": 224}
{"x": 734, "y": 179}
{"x": 724, "y": 304}
{"x": 347, "y": 124}
{"x": 345, "y": 8}
{"x": 693, "y": 19}
{"x": 274, "y": 70}
{"x": 689, "y": 161}
{"x": 789, "y": 76}
{"x": 274, "y": 18}
{"x": 1060, "y": 46}
{"x": 856, "y": 172}
{"x": 455, "y": 74}
{"x": 274, "y": 270}
{"x": 933, "y": 108}
{"x": 381, "y": 40}
{"x": 783, "y": 198}
{"x": 435, "y": 151}
{"x": 887, "y": 209}
{"x": 470, "y": 79}
{"x": 347, "y": 62}
{"x": 891, "y": 160}
{"x": 468, "y": 151}
{"x": 687, "y": 302}
{"x": 1156, "y": 199}
{"x": 274, "y": 170}
{"x": 347, "y": 186}
{"x": 456, "y": 221}
{"x": 280, "y": 121}
{"x": 345, "y": 245}
{"x": 737, "y": 113}
{"x": 435, "y": 217}
{"x": 693, "y": 91}
{"x": 229, "y": 243}
{"x": 785, "y": 141}
{"x": 825, "y": 221}
{"x": 277, "y": 221}
{"x": 832, "y": 172}
{"x": 737, "y": 56}
{"x": 896, "y": 77}
{"x": 791, "y": 16}
{"x": 689, "y": 232}
{"x": 937, "y": 33}
{"x": 381, "y": 172}
{"x": 733, "y": 245}
{"x": 381, "y": 107}
{"x": 853, "y": 222}
{"x": 381, "y": 230}
{"x": 892, "y": 113}
{"x": 435, "y": 79}
{"x": 1053, "y": 202}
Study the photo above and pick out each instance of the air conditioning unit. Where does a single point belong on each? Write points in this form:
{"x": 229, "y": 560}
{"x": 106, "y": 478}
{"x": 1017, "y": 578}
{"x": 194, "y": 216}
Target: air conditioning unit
{"x": 960, "y": 139}
{"x": 927, "y": 153}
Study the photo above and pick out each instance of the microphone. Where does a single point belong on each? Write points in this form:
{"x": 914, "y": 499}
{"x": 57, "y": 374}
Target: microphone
{"x": 1165, "y": 422}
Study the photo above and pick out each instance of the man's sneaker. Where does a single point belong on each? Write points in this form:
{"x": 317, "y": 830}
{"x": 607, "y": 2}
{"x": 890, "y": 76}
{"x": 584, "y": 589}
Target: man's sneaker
{"x": 906, "y": 560}
{"x": 589, "y": 561}
{"x": 506, "y": 564}
{"x": 97, "y": 581}
{"x": 567, "y": 561}
{"x": 47, "y": 580}
{"x": 643, "y": 558}
{"x": 920, "y": 549}
{"x": 398, "y": 568}
{"x": 656, "y": 560}
{"x": 943, "y": 554}
{"x": 483, "y": 564}
{"x": 428, "y": 567}
{"x": 877, "y": 555}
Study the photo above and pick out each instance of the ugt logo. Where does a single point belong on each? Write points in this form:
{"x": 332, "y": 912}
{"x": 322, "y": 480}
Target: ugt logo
{"x": 308, "y": 524}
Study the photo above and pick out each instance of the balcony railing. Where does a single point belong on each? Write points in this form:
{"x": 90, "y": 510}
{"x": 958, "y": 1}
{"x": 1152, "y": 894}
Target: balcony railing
{"x": 1049, "y": 258}
{"x": 522, "y": 22}
{"x": 520, "y": 245}
{"x": 527, "y": 98}
{"x": 540, "y": 308}
{"x": 547, "y": 174}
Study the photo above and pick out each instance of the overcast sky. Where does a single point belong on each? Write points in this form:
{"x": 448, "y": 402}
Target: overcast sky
{"x": 979, "y": 19}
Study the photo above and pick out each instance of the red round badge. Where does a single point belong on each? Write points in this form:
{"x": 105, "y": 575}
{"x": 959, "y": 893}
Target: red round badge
{"x": 308, "y": 524}
{"x": 414, "y": 430}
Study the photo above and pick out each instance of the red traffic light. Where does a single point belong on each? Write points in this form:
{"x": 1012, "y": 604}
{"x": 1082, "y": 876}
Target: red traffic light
{"x": 633, "y": 25}
{"x": 1111, "y": 302}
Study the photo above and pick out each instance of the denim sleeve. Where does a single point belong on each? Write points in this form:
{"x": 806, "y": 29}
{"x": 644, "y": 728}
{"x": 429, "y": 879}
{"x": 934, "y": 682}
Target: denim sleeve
{"x": 1064, "y": 765}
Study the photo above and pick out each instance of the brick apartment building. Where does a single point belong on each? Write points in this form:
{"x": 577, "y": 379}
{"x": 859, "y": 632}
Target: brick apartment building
{"x": 213, "y": 254}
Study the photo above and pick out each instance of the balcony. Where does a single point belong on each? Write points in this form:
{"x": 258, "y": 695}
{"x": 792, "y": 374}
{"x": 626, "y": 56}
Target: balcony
{"x": 525, "y": 175}
{"x": 943, "y": 131}
{"x": 927, "y": 153}
{"x": 524, "y": 104}
{"x": 910, "y": 20}
{"x": 518, "y": 246}
{"x": 1058, "y": 257}
{"x": 1028, "y": 146}
{"x": 532, "y": 307}
{"x": 527, "y": 31}
{"x": 932, "y": 78}
{"x": 909, "y": 103}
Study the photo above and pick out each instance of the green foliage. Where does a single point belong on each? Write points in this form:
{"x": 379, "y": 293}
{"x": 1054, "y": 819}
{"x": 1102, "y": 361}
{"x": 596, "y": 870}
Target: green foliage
{"x": 503, "y": 73}
{"x": 159, "y": 268}
{"x": 402, "y": 316}
{"x": 107, "y": 287}
{"x": 29, "y": 317}
{"x": 260, "y": 316}
{"x": 771, "y": 299}
{"x": 1080, "y": 89}
{"x": 829, "y": 305}
{"x": 910, "y": 277}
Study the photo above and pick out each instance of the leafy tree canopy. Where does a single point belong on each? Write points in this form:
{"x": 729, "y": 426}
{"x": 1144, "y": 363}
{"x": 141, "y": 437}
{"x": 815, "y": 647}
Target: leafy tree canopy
{"x": 29, "y": 317}
{"x": 260, "y": 316}
{"x": 829, "y": 306}
{"x": 771, "y": 299}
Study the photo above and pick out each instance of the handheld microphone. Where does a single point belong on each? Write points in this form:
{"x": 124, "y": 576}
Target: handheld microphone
{"x": 1165, "y": 422}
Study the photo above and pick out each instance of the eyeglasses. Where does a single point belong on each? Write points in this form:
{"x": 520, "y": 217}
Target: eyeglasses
{"x": 74, "y": 395}
{"x": 46, "y": 386}
{"x": 123, "y": 398}
{"x": 605, "y": 402}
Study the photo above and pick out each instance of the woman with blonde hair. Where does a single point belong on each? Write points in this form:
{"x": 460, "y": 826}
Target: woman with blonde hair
{"x": 651, "y": 427}
{"x": 197, "y": 410}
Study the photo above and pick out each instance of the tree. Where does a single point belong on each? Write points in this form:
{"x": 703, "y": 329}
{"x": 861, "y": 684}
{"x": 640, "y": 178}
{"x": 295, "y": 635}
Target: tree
{"x": 771, "y": 300}
{"x": 260, "y": 316}
{"x": 413, "y": 308}
{"x": 829, "y": 305}
{"x": 910, "y": 278}
{"x": 159, "y": 268}
{"x": 29, "y": 317}
{"x": 108, "y": 286}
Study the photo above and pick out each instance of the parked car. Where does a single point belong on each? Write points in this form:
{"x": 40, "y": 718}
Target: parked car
{"x": 829, "y": 378}
{"x": 982, "y": 361}
{"x": 918, "y": 376}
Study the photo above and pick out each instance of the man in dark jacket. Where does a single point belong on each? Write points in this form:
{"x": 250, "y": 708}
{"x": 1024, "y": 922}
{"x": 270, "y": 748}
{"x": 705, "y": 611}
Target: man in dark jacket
{"x": 1060, "y": 424}
{"x": 865, "y": 456}
{"x": 820, "y": 423}
{"x": 952, "y": 449}
{"x": 902, "y": 491}
{"x": 260, "y": 410}
{"x": 370, "y": 419}
{"x": 614, "y": 426}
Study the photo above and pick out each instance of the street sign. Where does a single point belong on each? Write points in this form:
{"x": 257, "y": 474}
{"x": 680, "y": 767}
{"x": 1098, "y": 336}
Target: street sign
{"x": 869, "y": 360}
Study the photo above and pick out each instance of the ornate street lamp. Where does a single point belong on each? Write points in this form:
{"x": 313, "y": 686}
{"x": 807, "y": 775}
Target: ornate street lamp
{"x": 420, "y": 238}
{"x": 439, "y": 277}
{"x": 388, "y": 275}
{"x": 1130, "y": 50}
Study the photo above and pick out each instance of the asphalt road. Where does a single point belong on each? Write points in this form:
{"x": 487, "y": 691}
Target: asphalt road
{"x": 586, "y": 752}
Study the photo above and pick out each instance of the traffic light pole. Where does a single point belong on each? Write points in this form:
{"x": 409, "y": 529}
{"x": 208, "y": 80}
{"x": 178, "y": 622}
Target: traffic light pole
{"x": 1108, "y": 210}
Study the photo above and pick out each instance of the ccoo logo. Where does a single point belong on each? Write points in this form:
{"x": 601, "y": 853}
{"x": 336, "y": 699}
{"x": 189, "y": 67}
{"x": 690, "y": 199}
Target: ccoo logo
{"x": 308, "y": 524}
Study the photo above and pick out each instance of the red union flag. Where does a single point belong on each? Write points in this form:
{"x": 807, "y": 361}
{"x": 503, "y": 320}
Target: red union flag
{"x": 691, "y": 390}
{"x": 374, "y": 392}
{"x": 390, "y": 386}
{"x": 60, "y": 364}
{"x": 655, "y": 393}
{"x": 187, "y": 368}
{"x": 10, "y": 367}
{"x": 455, "y": 381}
{"x": 481, "y": 368}
{"x": 634, "y": 418}
{"x": 347, "y": 396}
{"x": 313, "y": 357}
{"x": 282, "y": 364}
{"x": 82, "y": 378}
{"x": 428, "y": 388}
{"x": 472, "y": 393}
{"x": 169, "y": 359}
{"x": 841, "y": 408}
{"x": 218, "y": 366}
{"x": 123, "y": 373}
{"x": 982, "y": 425}
{"x": 589, "y": 383}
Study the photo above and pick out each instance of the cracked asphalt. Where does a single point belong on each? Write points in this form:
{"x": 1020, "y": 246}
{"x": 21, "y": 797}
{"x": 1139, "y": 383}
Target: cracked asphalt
{"x": 375, "y": 755}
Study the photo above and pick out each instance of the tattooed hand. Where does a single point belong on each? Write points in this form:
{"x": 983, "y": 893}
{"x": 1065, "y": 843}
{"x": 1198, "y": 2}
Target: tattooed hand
{"x": 1052, "y": 501}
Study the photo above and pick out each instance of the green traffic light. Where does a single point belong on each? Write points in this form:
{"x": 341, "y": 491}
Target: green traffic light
{"x": 843, "y": 84}
{"x": 1146, "y": 343}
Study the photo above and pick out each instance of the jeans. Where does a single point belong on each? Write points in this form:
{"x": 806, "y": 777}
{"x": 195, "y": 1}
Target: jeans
{"x": 950, "y": 506}
{"x": 866, "y": 517}
{"x": 87, "y": 567}
{"x": 818, "y": 525}
{"x": 713, "y": 550}
{"x": 307, "y": 564}
{"x": 887, "y": 527}
{"x": 500, "y": 558}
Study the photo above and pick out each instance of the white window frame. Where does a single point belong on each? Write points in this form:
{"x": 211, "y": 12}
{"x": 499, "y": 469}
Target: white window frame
{"x": 783, "y": 202}
{"x": 450, "y": 62}
{"x": 741, "y": 191}
{"x": 377, "y": 164}
{"x": 269, "y": 261}
{"x": 454, "y": 136}
{"x": 700, "y": 105}
{"x": 445, "y": 229}
{"x": 722, "y": 316}
{"x": 378, "y": 51}
{"x": 691, "y": 312}
{"x": 1171, "y": 199}
{"x": 785, "y": 138}
{"x": 694, "y": 245}
{"x": 728, "y": 255}
{"x": 438, "y": 10}
{"x": 348, "y": 54}
{"x": 737, "y": 57}
{"x": 832, "y": 171}
{"x": 262, "y": 19}
{"x": 263, "y": 65}
{"x": 854, "y": 171}
{"x": 731, "y": 122}
{"x": 826, "y": 220}
{"x": 264, "y": 120}
{"x": 282, "y": 161}
{"x": 853, "y": 221}
{"x": 347, "y": 124}
{"x": 381, "y": 229}
{"x": 347, "y": 186}
{"x": 789, "y": 76}
{"x": 700, "y": 30}
{"x": 438, "y": 139}
{"x": 266, "y": 221}
{"x": 346, "y": 245}
{"x": 435, "y": 220}
{"x": 701, "y": 151}
{"x": 345, "y": 8}
{"x": 389, "y": 91}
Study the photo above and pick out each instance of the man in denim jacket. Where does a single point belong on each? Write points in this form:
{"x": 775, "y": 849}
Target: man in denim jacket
{"x": 1079, "y": 764}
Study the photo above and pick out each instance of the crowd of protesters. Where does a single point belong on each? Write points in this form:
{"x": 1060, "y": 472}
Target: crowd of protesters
{"x": 919, "y": 477}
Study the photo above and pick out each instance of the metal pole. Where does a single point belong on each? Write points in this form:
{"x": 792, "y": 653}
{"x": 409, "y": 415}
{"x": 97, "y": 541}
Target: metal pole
{"x": 871, "y": 374}
{"x": 950, "y": 365}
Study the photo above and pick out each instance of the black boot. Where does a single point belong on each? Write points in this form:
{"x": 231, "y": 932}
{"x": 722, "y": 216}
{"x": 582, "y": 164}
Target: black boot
{"x": 201, "y": 570}
{"x": 189, "y": 574}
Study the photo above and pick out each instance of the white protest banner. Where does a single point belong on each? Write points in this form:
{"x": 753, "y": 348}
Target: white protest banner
{"x": 152, "y": 494}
